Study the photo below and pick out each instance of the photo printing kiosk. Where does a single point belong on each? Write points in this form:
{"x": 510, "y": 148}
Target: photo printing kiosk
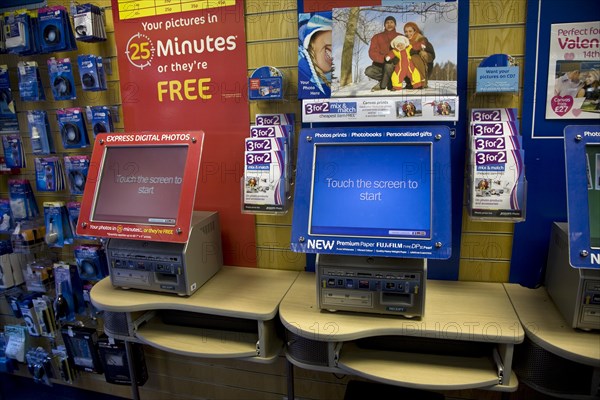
{"x": 573, "y": 269}
{"x": 140, "y": 195}
{"x": 373, "y": 204}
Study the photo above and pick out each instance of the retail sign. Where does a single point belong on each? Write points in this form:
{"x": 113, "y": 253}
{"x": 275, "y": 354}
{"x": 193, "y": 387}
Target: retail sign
{"x": 574, "y": 71}
{"x": 182, "y": 66}
{"x": 388, "y": 58}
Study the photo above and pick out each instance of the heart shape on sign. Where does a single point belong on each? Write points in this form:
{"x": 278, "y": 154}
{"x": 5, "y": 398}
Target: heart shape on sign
{"x": 569, "y": 56}
{"x": 561, "y": 104}
{"x": 576, "y": 112}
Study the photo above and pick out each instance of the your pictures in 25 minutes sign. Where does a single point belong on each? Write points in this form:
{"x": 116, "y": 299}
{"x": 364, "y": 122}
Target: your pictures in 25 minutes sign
{"x": 182, "y": 66}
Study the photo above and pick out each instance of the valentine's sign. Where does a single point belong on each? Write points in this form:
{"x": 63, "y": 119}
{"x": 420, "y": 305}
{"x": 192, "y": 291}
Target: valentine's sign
{"x": 574, "y": 71}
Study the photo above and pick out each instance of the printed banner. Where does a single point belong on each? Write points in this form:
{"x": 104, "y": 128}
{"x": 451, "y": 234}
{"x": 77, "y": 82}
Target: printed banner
{"x": 183, "y": 66}
{"x": 574, "y": 71}
{"x": 381, "y": 52}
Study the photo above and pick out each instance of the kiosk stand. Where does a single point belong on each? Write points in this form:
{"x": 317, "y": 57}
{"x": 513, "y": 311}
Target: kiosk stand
{"x": 142, "y": 201}
{"x": 373, "y": 204}
{"x": 561, "y": 353}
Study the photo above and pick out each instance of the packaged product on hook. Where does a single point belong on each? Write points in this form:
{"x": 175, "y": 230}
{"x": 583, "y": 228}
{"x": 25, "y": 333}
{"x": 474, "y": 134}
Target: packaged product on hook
{"x": 39, "y": 129}
{"x": 62, "y": 81}
{"x": 14, "y": 155}
{"x": 30, "y": 81}
{"x": 22, "y": 200}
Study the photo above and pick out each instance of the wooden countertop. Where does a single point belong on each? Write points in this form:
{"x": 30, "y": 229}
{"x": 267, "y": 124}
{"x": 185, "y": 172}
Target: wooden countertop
{"x": 546, "y": 327}
{"x": 240, "y": 292}
{"x": 470, "y": 311}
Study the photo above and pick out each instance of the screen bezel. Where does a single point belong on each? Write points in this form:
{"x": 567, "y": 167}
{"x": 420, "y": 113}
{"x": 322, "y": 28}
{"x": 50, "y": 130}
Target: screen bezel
{"x": 437, "y": 246}
{"x": 311, "y": 230}
{"x": 577, "y": 140}
{"x": 175, "y": 233}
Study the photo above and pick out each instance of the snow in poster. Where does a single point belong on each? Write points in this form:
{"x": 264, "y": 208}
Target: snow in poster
{"x": 334, "y": 49}
{"x": 574, "y": 71}
{"x": 423, "y": 64}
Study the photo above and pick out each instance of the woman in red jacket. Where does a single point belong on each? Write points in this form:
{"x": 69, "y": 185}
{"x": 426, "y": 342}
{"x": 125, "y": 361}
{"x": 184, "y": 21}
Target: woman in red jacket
{"x": 422, "y": 51}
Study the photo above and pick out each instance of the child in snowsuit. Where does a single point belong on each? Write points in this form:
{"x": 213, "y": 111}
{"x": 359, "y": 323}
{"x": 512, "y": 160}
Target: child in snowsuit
{"x": 404, "y": 67}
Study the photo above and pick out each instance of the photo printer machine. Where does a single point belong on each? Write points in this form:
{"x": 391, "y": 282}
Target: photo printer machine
{"x": 179, "y": 268}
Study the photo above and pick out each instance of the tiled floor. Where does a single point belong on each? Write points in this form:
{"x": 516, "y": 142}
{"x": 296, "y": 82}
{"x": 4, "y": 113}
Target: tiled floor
{"x": 18, "y": 388}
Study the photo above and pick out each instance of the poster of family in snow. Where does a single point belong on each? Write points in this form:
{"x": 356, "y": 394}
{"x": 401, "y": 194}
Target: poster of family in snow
{"x": 380, "y": 61}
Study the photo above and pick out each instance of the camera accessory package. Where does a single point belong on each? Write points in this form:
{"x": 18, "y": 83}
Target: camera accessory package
{"x": 58, "y": 228}
{"x": 16, "y": 341}
{"x": 55, "y": 30}
{"x": 37, "y": 312}
{"x": 73, "y": 209}
{"x": 101, "y": 117}
{"x": 39, "y": 129}
{"x": 62, "y": 81}
{"x": 30, "y": 81}
{"x": 77, "y": 170}
{"x": 49, "y": 174}
{"x": 14, "y": 155}
{"x": 116, "y": 366}
{"x": 10, "y": 270}
{"x": 69, "y": 292}
{"x": 21, "y": 33}
{"x": 91, "y": 262}
{"x": 63, "y": 364}
{"x": 7, "y": 365}
{"x": 89, "y": 23}
{"x": 73, "y": 130}
{"x": 91, "y": 72}
{"x": 82, "y": 346}
{"x": 22, "y": 200}
{"x": 39, "y": 364}
{"x": 8, "y": 113}
{"x": 7, "y": 222}
{"x": 39, "y": 275}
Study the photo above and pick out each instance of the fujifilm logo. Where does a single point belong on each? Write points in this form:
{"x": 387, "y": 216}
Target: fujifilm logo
{"x": 595, "y": 258}
{"x": 320, "y": 244}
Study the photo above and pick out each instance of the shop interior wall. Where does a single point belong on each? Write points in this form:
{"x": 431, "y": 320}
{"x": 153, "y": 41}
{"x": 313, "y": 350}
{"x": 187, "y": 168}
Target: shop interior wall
{"x": 496, "y": 26}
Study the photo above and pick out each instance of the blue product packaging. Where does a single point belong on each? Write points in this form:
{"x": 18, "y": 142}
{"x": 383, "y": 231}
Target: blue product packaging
{"x": 22, "y": 200}
{"x": 62, "y": 81}
{"x": 39, "y": 129}
{"x": 49, "y": 174}
{"x": 8, "y": 113}
{"x": 14, "y": 156}
{"x": 73, "y": 209}
{"x": 73, "y": 130}
{"x": 101, "y": 118}
{"x": 55, "y": 30}
{"x": 91, "y": 262}
{"x": 58, "y": 228}
{"x": 7, "y": 223}
{"x": 92, "y": 78}
{"x": 30, "y": 81}
{"x": 76, "y": 168}
{"x": 265, "y": 83}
